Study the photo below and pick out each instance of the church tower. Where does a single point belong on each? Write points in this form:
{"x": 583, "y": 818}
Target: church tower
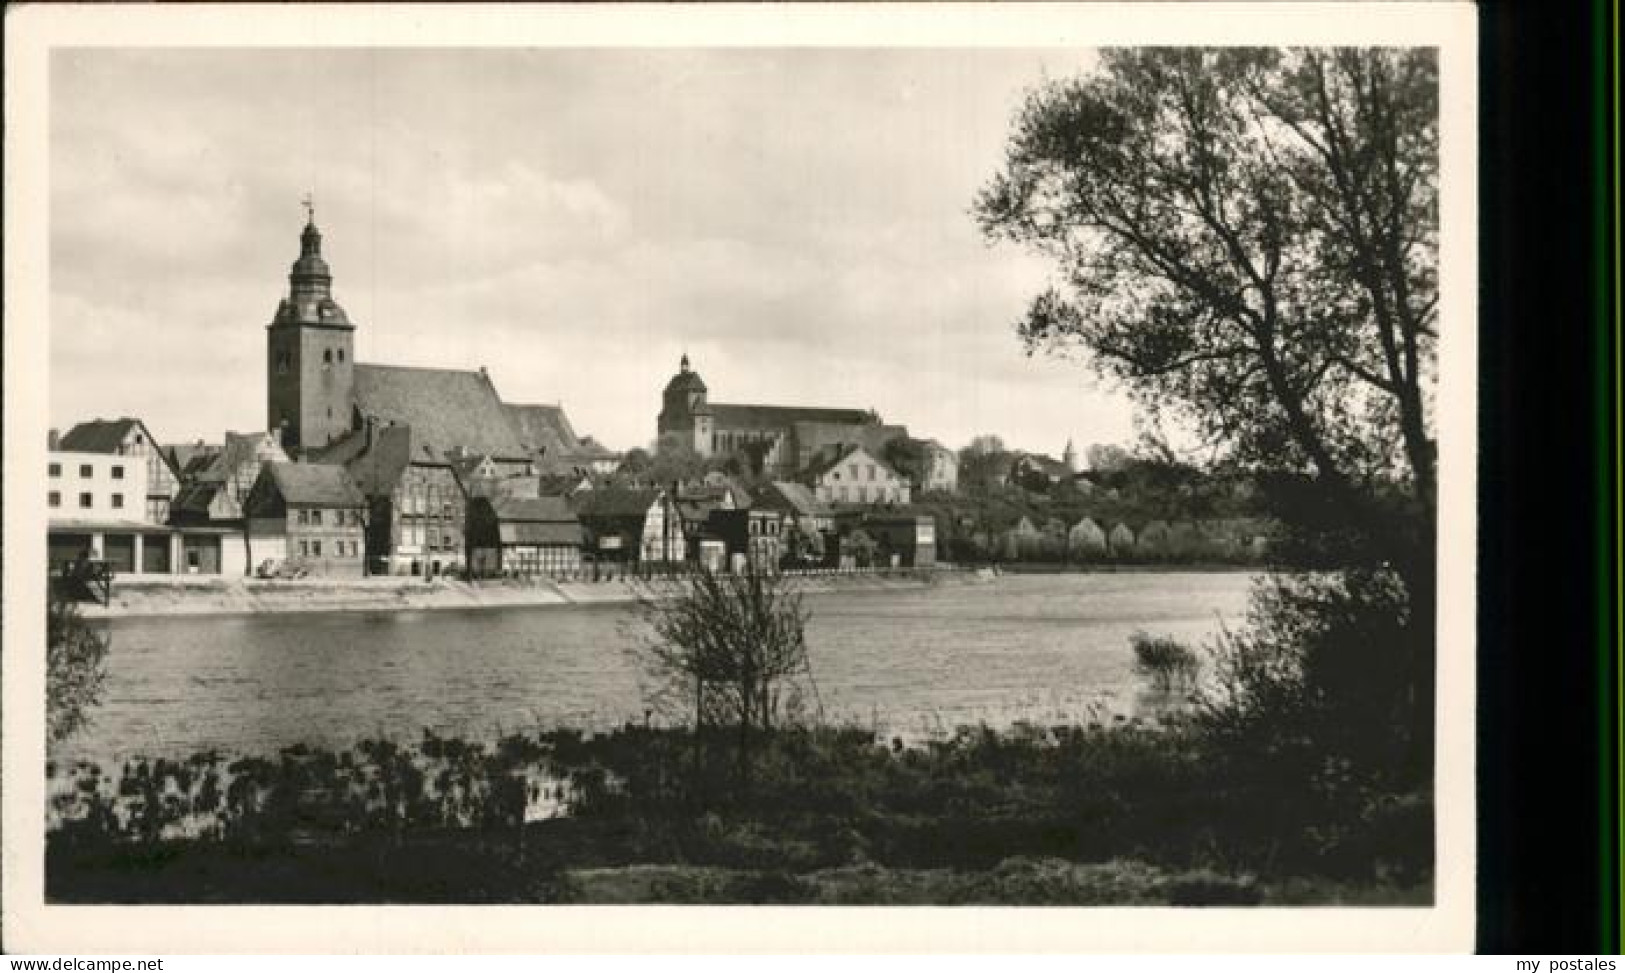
{"x": 310, "y": 354}
{"x": 1070, "y": 457}
{"x": 684, "y": 411}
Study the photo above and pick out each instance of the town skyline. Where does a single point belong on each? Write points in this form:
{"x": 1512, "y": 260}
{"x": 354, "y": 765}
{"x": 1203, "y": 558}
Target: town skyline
{"x": 572, "y": 273}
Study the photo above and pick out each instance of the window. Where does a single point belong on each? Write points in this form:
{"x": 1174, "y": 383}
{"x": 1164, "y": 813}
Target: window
{"x": 863, "y": 494}
{"x": 56, "y": 469}
{"x": 118, "y": 501}
{"x": 302, "y": 517}
{"x": 316, "y": 518}
{"x": 341, "y": 358}
{"x": 138, "y": 439}
{"x": 84, "y": 501}
{"x": 871, "y": 471}
{"x": 316, "y": 548}
{"x": 445, "y": 541}
{"x": 118, "y": 472}
{"x": 54, "y": 498}
{"x": 327, "y": 357}
{"x": 86, "y": 472}
{"x": 304, "y": 548}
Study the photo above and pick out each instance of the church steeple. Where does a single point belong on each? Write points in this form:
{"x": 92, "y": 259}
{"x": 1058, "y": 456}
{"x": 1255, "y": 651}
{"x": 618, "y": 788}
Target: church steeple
{"x": 310, "y": 353}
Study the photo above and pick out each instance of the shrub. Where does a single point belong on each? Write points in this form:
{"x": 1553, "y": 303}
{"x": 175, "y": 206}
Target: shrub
{"x": 1165, "y": 661}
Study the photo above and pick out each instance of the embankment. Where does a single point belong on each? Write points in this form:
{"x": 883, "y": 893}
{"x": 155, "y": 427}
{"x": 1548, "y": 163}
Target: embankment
{"x": 251, "y": 596}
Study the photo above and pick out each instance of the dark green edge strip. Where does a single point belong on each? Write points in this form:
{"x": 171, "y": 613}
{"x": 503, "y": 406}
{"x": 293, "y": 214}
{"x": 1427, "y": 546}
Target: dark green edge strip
{"x": 1606, "y": 240}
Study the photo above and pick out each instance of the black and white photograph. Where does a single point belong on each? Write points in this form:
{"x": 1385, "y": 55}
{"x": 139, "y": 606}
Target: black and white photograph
{"x": 820, "y": 460}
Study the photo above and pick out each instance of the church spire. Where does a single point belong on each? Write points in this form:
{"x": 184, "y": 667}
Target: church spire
{"x": 310, "y": 282}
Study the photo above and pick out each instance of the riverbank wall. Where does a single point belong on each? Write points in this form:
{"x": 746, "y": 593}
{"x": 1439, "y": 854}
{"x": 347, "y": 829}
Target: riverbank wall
{"x": 169, "y": 596}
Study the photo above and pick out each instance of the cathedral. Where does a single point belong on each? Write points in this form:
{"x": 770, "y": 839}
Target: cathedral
{"x": 779, "y": 441}
{"x": 318, "y": 396}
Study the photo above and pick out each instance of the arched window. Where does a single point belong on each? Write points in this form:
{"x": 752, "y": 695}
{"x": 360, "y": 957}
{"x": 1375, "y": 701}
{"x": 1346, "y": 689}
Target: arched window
{"x": 327, "y": 357}
{"x": 341, "y": 355}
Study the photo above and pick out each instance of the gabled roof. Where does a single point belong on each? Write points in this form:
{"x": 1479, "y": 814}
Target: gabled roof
{"x": 615, "y": 502}
{"x": 793, "y": 498}
{"x": 183, "y": 455}
{"x": 98, "y": 436}
{"x": 728, "y": 416}
{"x": 315, "y": 484}
{"x": 533, "y": 509}
{"x": 195, "y": 500}
{"x": 240, "y": 449}
{"x": 377, "y": 471}
{"x": 445, "y": 408}
{"x": 550, "y": 532}
{"x": 830, "y": 458}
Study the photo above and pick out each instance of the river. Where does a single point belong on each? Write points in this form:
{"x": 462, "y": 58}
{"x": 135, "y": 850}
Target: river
{"x": 1047, "y": 648}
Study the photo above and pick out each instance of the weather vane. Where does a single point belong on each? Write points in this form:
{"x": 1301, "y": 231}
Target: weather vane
{"x": 310, "y": 208}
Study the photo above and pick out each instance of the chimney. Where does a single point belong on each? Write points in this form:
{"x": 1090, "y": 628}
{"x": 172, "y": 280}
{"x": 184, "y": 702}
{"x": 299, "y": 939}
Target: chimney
{"x": 52, "y": 438}
{"x": 371, "y": 431}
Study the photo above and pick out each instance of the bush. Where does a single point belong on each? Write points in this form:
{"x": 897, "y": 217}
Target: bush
{"x": 1166, "y": 662}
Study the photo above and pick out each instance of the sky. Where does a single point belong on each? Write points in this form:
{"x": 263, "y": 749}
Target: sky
{"x": 798, "y": 221}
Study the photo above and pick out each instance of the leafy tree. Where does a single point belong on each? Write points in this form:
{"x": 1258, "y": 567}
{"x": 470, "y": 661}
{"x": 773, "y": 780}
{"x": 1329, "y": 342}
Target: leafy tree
{"x": 984, "y": 463}
{"x": 726, "y": 647}
{"x": 1248, "y": 239}
{"x": 637, "y": 460}
{"x": 675, "y": 461}
{"x": 909, "y": 457}
{"x": 1107, "y": 458}
{"x": 75, "y": 667}
{"x": 863, "y": 548}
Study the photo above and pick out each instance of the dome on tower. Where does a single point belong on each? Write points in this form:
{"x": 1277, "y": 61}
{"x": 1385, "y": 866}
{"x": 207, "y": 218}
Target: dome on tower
{"x": 686, "y": 379}
{"x": 310, "y": 286}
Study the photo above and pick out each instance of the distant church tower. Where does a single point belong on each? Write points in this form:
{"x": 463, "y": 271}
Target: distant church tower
{"x": 310, "y": 354}
{"x": 1070, "y": 458}
{"x": 684, "y": 411}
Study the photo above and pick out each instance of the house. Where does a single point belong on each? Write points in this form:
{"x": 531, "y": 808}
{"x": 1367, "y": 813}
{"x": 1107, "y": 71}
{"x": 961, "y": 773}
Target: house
{"x": 941, "y": 469}
{"x": 415, "y": 503}
{"x": 852, "y": 474}
{"x": 751, "y": 538}
{"x": 523, "y": 536}
{"x": 1021, "y": 540}
{"x": 1153, "y": 539}
{"x": 130, "y": 439}
{"x": 798, "y": 502}
{"x": 904, "y": 540}
{"x": 311, "y": 514}
{"x": 238, "y": 462}
{"x": 1086, "y": 539}
{"x": 626, "y": 525}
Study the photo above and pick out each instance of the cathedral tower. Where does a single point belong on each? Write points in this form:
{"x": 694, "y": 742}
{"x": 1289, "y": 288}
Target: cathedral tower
{"x": 684, "y": 412}
{"x": 310, "y": 355}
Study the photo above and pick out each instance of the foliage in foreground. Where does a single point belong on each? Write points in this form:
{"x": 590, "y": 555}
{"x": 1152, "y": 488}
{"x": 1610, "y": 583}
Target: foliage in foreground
{"x": 75, "y": 667}
{"x": 820, "y": 800}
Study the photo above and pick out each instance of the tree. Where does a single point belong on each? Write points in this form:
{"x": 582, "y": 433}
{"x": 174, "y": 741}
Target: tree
{"x": 1246, "y": 236}
{"x": 862, "y": 547}
{"x": 1107, "y": 458}
{"x": 984, "y": 463}
{"x": 725, "y": 647}
{"x": 909, "y": 457}
{"x": 1248, "y": 240}
{"x": 637, "y": 460}
{"x": 75, "y": 667}
{"x": 675, "y": 460}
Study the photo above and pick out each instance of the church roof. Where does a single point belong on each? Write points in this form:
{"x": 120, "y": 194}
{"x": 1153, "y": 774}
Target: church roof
{"x": 545, "y": 428}
{"x": 730, "y": 416}
{"x": 686, "y": 379}
{"x": 446, "y": 409}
